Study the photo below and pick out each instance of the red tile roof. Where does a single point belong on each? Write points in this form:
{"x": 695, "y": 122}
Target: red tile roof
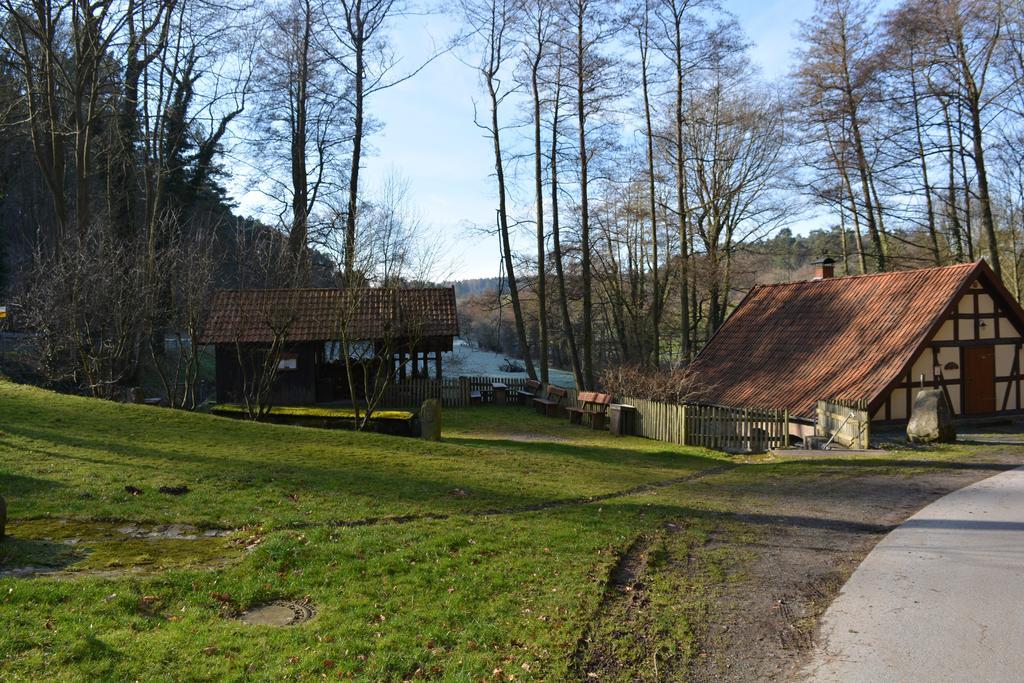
{"x": 786, "y": 346}
{"x": 250, "y": 315}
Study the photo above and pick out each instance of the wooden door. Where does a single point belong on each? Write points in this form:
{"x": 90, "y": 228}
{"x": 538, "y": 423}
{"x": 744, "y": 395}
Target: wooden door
{"x": 979, "y": 379}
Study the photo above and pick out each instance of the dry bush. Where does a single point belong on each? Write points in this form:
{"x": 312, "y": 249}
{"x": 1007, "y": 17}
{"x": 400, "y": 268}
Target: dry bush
{"x": 676, "y": 385}
{"x": 86, "y": 307}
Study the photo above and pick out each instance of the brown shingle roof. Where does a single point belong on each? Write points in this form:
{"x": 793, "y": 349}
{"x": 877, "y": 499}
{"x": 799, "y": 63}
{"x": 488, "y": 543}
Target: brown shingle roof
{"x": 786, "y": 346}
{"x": 250, "y": 315}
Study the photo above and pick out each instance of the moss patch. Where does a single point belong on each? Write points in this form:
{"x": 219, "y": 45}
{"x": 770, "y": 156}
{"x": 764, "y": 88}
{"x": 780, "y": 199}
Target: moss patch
{"x": 76, "y": 545}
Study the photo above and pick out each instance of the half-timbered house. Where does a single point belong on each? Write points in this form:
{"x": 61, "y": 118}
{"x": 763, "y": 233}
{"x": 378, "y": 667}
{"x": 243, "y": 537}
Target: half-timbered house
{"x": 871, "y": 338}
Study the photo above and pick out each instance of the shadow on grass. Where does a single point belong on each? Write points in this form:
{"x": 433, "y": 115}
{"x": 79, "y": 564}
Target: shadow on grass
{"x": 602, "y": 454}
{"x": 388, "y": 481}
{"x": 19, "y": 484}
{"x": 898, "y": 463}
{"x": 396, "y": 476}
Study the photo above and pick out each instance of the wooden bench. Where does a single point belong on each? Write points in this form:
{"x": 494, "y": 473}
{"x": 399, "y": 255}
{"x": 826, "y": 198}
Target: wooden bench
{"x": 550, "y": 403}
{"x": 591, "y": 403}
{"x": 529, "y": 391}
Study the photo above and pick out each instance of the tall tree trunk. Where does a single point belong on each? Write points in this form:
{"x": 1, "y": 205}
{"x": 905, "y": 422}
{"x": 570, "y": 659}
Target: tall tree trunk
{"x": 865, "y": 183}
{"x": 652, "y": 198}
{"x": 987, "y": 219}
{"x": 499, "y": 170}
{"x": 974, "y": 93}
{"x": 952, "y": 210}
{"x": 843, "y": 242}
{"x": 298, "y": 236}
{"x": 862, "y": 162}
{"x": 585, "y": 274}
{"x": 359, "y": 85}
{"x": 538, "y": 179}
{"x": 933, "y": 233}
{"x": 556, "y": 245}
{"x": 964, "y": 154}
{"x": 681, "y": 203}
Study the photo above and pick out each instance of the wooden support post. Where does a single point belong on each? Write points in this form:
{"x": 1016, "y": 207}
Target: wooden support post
{"x": 437, "y": 364}
{"x": 415, "y": 362}
{"x": 683, "y": 425}
{"x": 401, "y": 365}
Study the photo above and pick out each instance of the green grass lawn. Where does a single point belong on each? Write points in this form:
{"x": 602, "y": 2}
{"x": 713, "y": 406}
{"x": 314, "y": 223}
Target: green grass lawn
{"x": 449, "y": 560}
{"x": 493, "y": 554}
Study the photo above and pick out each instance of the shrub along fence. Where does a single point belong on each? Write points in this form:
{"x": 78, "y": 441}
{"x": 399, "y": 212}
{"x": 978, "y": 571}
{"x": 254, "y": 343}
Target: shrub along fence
{"x": 847, "y": 423}
{"x": 717, "y": 427}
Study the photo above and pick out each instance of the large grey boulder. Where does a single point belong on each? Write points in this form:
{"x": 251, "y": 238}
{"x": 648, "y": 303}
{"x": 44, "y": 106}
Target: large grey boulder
{"x": 430, "y": 420}
{"x": 932, "y": 419}
{"x": 3, "y": 517}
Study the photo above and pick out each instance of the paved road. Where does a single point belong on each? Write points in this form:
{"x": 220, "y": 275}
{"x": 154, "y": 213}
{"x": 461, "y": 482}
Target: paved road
{"x": 941, "y": 598}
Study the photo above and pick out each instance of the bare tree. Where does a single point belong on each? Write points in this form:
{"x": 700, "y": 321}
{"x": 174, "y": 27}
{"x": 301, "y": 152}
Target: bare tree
{"x": 301, "y": 118}
{"x": 190, "y": 260}
{"x": 838, "y": 69}
{"x": 538, "y": 41}
{"x": 86, "y": 306}
{"x": 642, "y": 30}
{"x": 590, "y": 27}
{"x": 372, "y": 67}
{"x": 494, "y": 23}
{"x": 972, "y": 34}
{"x": 556, "y": 240}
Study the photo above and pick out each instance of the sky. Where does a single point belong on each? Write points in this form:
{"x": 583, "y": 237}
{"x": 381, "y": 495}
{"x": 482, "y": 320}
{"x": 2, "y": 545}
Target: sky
{"x": 428, "y": 136}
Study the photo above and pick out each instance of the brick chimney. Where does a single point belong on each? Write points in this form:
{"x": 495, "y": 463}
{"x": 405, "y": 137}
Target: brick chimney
{"x": 825, "y": 268}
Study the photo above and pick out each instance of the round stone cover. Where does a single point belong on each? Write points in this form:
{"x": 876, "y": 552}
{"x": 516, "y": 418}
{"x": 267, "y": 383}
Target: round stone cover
{"x": 278, "y": 613}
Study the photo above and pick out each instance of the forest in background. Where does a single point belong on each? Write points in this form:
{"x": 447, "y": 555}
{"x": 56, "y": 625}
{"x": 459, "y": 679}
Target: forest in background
{"x": 636, "y": 148}
{"x": 486, "y": 318}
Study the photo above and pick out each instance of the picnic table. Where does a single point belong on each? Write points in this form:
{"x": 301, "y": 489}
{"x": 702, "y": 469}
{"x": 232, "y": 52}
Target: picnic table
{"x": 500, "y": 390}
{"x": 481, "y": 396}
{"x": 531, "y": 390}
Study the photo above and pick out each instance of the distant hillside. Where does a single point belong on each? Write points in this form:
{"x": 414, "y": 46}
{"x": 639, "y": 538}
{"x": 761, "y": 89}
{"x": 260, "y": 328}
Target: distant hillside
{"x": 467, "y": 288}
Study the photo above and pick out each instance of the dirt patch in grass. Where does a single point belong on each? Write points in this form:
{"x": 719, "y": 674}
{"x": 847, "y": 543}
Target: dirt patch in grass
{"x": 806, "y": 536}
{"x": 598, "y": 653}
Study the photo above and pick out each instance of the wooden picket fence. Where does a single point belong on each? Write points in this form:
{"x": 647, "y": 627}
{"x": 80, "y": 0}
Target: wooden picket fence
{"x": 847, "y": 423}
{"x": 716, "y": 427}
{"x": 452, "y": 392}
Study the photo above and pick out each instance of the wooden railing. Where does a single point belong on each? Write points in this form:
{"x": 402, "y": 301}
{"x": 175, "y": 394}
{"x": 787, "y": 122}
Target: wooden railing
{"x": 847, "y": 423}
{"x": 716, "y": 427}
